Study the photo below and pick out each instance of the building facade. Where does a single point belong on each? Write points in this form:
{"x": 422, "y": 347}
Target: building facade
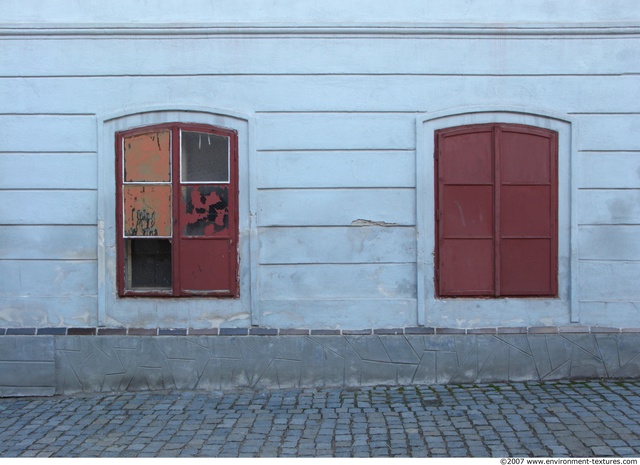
{"x": 232, "y": 193}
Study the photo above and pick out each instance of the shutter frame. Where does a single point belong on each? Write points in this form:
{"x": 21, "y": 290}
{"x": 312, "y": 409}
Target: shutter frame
{"x": 446, "y": 286}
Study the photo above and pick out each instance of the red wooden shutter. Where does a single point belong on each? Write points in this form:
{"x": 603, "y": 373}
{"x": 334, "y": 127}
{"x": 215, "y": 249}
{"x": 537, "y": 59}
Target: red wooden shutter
{"x": 496, "y": 215}
{"x": 528, "y": 218}
{"x": 465, "y": 193}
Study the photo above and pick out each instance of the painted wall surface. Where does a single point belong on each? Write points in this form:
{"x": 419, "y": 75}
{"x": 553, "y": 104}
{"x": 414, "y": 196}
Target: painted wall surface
{"x": 335, "y": 106}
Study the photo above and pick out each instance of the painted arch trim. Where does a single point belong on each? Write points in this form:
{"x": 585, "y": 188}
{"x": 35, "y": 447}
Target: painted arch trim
{"x": 159, "y": 312}
{"x": 496, "y": 312}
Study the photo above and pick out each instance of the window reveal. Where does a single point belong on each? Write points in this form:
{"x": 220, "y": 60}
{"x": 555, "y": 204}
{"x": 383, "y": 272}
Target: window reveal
{"x": 177, "y": 211}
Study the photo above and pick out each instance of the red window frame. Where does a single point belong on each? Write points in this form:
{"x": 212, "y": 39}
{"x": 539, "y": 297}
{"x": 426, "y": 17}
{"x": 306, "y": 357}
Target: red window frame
{"x": 201, "y": 265}
{"x": 500, "y": 249}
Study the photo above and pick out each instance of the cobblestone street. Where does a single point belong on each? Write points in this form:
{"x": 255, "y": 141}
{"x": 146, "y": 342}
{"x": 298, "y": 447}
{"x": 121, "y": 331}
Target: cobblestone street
{"x": 580, "y": 419}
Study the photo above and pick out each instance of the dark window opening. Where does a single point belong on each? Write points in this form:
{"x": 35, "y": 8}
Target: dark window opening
{"x": 148, "y": 263}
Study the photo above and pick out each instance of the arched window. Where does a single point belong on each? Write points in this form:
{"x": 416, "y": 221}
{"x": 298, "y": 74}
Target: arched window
{"x": 496, "y": 192}
{"x": 177, "y": 211}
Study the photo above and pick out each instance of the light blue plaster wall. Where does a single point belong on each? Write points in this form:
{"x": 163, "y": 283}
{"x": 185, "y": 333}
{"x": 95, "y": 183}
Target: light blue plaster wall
{"x": 450, "y": 11}
{"x": 518, "y": 312}
{"x": 330, "y": 99}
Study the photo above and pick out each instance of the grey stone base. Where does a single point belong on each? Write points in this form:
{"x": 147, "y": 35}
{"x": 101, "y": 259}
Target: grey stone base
{"x": 44, "y": 365}
{"x": 27, "y": 366}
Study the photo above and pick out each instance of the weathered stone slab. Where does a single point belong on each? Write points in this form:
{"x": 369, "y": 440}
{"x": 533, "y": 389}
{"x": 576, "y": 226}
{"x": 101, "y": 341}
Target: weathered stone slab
{"x": 399, "y": 350}
{"x": 44, "y": 365}
{"x": 27, "y": 366}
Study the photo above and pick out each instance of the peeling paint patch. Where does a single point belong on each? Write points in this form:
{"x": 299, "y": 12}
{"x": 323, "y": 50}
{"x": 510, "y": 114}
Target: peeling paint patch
{"x": 361, "y": 222}
{"x": 147, "y": 210}
{"x": 205, "y": 210}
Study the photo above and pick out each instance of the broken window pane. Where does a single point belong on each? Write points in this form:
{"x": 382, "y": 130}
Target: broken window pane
{"x": 148, "y": 263}
{"x": 204, "y": 158}
{"x": 205, "y": 210}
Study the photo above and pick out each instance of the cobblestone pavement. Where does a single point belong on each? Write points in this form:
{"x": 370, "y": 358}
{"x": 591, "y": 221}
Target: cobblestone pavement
{"x": 579, "y": 419}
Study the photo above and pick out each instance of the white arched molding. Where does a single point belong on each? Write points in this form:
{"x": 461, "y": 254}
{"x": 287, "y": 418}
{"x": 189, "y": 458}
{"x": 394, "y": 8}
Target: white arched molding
{"x": 501, "y": 312}
{"x": 175, "y": 312}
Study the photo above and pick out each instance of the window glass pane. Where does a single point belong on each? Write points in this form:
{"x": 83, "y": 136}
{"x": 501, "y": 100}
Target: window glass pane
{"x": 205, "y": 157}
{"x": 147, "y": 157}
{"x": 147, "y": 210}
{"x": 148, "y": 263}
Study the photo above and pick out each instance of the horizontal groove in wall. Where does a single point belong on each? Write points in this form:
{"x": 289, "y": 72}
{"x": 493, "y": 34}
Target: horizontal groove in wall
{"x": 58, "y": 225}
{"x": 260, "y": 331}
{"x": 603, "y": 113}
{"x": 45, "y": 114}
{"x": 634, "y": 304}
{"x": 400, "y": 29}
{"x": 320, "y": 264}
{"x": 596, "y": 225}
{"x": 334, "y": 150}
{"x": 419, "y": 112}
{"x": 608, "y": 188}
{"x": 333, "y": 188}
{"x": 58, "y": 260}
{"x": 336, "y": 226}
{"x": 350, "y": 150}
{"x": 40, "y": 152}
{"x": 49, "y": 189}
{"x": 607, "y": 260}
{"x": 44, "y": 153}
{"x": 609, "y": 151}
{"x": 316, "y": 74}
{"x": 340, "y": 112}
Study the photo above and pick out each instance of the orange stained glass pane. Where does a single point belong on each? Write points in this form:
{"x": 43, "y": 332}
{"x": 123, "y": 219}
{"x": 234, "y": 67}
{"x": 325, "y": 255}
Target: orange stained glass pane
{"x": 147, "y": 157}
{"x": 147, "y": 210}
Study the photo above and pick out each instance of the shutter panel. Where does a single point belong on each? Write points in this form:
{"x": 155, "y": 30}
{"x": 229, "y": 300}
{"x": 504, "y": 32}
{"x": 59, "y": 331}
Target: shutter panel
{"x": 528, "y": 195}
{"x": 465, "y": 202}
